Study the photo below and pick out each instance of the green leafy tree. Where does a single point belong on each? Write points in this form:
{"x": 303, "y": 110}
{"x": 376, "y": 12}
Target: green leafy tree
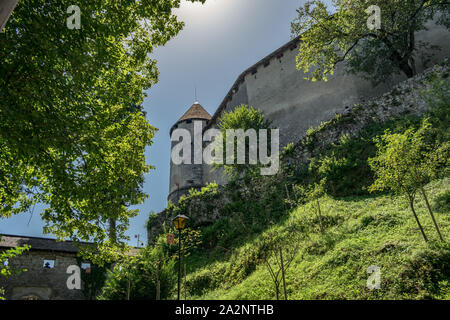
{"x": 151, "y": 274}
{"x": 403, "y": 164}
{"x": 72, "y": 129}
{"x": 278, "y": 257}
{"x": 329, "y": 37}
{"x": 148, "y": 276}
{"x": 243, "y": 118}
{"x": 313, "y": 194}
{"x": 93, "y": 278}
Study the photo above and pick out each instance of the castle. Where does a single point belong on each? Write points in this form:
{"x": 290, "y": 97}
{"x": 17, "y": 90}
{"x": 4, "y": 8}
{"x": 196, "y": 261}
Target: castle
{"x": 293, "y": 104}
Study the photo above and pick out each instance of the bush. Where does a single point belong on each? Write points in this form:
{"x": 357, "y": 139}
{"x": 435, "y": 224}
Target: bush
{"x": 136, "y": 278}
{"x": 442, "y": 202}
{"x": 343, "y": 166}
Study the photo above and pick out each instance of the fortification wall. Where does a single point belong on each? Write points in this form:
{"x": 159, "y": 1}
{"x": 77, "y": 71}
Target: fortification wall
{"x": 404, "y": 99}
{"x": 295, "y": 104}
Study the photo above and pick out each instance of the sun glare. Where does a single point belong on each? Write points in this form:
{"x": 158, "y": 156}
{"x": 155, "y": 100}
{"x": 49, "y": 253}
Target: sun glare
{"x": 211, "y": 10}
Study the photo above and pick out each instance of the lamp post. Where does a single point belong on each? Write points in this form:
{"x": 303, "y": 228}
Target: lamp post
{"x": 179, "y": 222}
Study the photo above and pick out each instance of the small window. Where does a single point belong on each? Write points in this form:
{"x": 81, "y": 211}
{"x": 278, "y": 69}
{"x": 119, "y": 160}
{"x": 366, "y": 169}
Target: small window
{"x": 189, "y": 121}
{"x": 86, "y": 266}
{"x": 49, "y": 264}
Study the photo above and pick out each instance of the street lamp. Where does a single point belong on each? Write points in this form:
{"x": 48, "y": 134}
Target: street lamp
{"x": 179, "y": 222}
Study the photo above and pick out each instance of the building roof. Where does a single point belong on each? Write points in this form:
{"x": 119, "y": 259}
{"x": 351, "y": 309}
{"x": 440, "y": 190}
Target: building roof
{"x": 195, "y": 112}
{"x": 12, "y": 241}
{"x": 46, "y": 244}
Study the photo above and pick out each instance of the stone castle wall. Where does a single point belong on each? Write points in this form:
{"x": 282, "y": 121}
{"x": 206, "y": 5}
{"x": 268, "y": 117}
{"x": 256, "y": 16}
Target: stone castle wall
{"x": 404, "y": 99}
{"x": 294, "y": 104}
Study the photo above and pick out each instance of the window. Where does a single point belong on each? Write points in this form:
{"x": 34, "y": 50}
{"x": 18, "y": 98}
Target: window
{"x": 85, "y": 265}
{"x": 189, "y": 121}
{"x": 49, "y": 264}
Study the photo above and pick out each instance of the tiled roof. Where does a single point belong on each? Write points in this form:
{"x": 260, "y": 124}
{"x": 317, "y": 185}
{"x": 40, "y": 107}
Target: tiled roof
{"x": 196, "y": 112}
{"x": 12, "y": 241}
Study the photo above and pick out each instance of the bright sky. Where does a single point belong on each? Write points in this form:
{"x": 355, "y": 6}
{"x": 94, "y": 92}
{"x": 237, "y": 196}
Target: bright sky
{"x": 220, "y": 40}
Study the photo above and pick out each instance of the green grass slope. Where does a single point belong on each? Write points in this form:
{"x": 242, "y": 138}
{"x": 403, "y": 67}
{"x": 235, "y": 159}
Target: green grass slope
{"x": 358, "y": 232}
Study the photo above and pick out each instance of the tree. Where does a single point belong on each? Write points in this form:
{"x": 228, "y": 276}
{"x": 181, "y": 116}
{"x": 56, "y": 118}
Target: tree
{"x": 148, "y": 276}
{"x": 152, "y": 273}
{"x": 278, "y": 257}
{"x": 72, "y": 129}
{"x": 403, "y": 164}
{"x": 342, "y": 35}
{"x": 314, "y": 193}
{"x": 241, "y": 118}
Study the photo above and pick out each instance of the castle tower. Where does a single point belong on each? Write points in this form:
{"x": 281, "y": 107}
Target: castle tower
{"x": 183, "y": 177}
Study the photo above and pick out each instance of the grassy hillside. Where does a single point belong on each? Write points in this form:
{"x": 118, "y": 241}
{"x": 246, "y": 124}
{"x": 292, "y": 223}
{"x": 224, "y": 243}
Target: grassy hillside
{"x": 359, "y": 232}
{"x": 244, "y": 223}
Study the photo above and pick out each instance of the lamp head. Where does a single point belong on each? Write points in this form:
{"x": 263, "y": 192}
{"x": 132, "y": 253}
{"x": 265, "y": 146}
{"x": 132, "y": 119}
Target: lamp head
{"x": 180, "y": 221}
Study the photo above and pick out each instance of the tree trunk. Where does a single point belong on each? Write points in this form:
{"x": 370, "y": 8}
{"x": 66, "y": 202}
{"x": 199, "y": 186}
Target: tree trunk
{"x": 112, "y": 230}
{"x": 320, "y": 215}
{"x": 411, "y": 203}
{"x": 158, "y": 284}
{"x": 128, "y": 288}
{"x": 282, "y": 274}
{"x": 407, "y": 69}
{"x": 430, "y": 211}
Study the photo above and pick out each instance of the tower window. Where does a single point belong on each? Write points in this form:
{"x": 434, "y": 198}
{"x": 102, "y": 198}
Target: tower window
{"x": 189, "y": 121}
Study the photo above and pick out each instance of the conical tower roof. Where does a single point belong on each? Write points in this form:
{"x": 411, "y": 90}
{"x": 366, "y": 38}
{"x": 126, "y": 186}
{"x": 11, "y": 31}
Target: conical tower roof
{"x": 196, "y": 112}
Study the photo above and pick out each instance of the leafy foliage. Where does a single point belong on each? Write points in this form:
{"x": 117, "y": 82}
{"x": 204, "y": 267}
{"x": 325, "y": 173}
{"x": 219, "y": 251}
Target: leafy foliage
{"x": 329, "y": 37}
{"x": 72, "y": 129}
{"x": 93, "y": 279}
{"x": 437, "y": 96}
{"x": 243, "y": 118}
{"x": 152, "y": 273}
{"x": 136, "y": 278}
{"x": 404, "y": 163}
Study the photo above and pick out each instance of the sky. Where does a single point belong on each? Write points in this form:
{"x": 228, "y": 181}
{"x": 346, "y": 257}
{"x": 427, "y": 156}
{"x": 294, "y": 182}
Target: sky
{"x": 220, "y": 40}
